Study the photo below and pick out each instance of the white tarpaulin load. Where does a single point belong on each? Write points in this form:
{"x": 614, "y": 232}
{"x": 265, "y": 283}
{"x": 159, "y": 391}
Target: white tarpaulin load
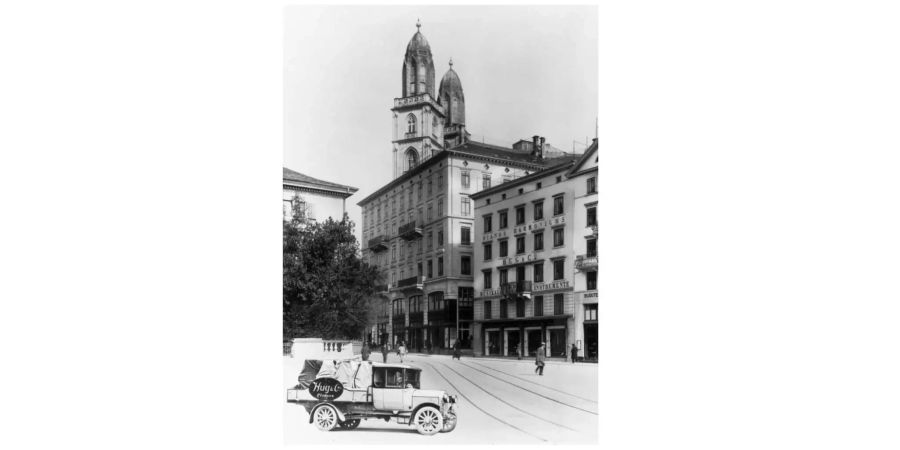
{"x": 328, "y": 370}
{"x": 363, "y": 376}
{"x": 345, "y": 371}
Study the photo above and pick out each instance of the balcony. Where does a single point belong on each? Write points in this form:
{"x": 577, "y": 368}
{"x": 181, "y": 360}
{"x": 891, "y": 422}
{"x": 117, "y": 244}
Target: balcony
{"x": 590, "y": 230}
{"x": 409, "y": 231}
{"x": 516, "y": 288}
{"x": 411, "y": 282}
{"x": 585, "y": 263}
{"x": 378, "y": 244}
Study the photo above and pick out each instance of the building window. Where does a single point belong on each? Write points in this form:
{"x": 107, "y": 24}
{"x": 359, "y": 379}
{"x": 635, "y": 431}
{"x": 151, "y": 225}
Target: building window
{"x": 466, "y": 206}
{"x": 591, "y": 247}
{"x": 429, "y": 213}
{"x": 520, "y": 307}
{"x": 539, "y": 210}
{"x": 394, "y": 252}
{"x": 503, "y": 222}
{"x": 440, "y": 266}
{"x": 591, "y": 185}
{"x": 487, "y": 279}
{"x": 504, "y": 306}
{"x": 539, "y": 240}
{"x": 504, "y": 276}
{"x": 487, "y": 309}
{"x": 488, "y": 250}
{"x": 520, "y": 215}
{"x": 465, "y": 179}
{"x": 558, "y": 304}
{"x": 430, "y": 240}
{"x": 440, "y": 182}
{"x": 412, "y": 159}
{"x": 419, "y": 191}
{"x": 465, "y": 235}
{"x": 485, "y": 181}
{"x": 504, "y": 247}
{"x": 410, "y": 124}
{"x": 559, "y": 235}
{"x": 440, "y": 241}
{"x": 592, "y": 280}
{"x": 440, "y": 208}
{"x": 430, "y": 268}
{"x": 592, "y": 216}
{"x": 429, "y": 187}
{"x": 520, "y": 245}
{"x": 559, "y": 269}
{"x": 487, "y": 223}
{"x": 538, "y": 273}
{"x": 558, "y": 205}
{"x": 538, "y": 305}
{"x": 466, "y": 265}
{"x": 590, "y": 312}
{"x": 537, "y": 186}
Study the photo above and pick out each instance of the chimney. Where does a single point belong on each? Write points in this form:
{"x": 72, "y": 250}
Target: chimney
{"x": 534, "y": 145}
{"x": 541, "y": 149}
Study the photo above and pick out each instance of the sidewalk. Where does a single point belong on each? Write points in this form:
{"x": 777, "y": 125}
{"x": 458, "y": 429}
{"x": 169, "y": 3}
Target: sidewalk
{"x": 552, "y": 361}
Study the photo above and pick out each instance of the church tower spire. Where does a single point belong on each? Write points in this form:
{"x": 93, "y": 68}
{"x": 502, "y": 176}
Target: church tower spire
{"x": 451, "y": 97}
{"x": 418, "y": 117}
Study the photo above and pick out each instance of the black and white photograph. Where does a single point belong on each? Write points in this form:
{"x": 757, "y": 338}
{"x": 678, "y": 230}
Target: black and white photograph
{"x": 440, "y": 225}
{"x": 632, "y": 225}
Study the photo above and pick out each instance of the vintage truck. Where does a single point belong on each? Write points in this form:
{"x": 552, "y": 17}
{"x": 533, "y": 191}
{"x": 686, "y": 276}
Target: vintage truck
{"x": 342, "y": 393}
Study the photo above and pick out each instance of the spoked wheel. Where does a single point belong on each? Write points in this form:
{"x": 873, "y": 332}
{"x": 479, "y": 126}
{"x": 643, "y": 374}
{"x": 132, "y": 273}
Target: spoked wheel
{"x": 449, "y": 423}
{"x": 325, "y": 418}
{"x": 428, "y": 420}
{"x": 350, "y": 424}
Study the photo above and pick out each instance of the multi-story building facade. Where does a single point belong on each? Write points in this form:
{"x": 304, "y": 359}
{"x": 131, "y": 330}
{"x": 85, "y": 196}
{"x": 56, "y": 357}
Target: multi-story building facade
{"x": 312, "y": 198}
{"x": 536, "y": 252}
{"x": 418, "y": 229}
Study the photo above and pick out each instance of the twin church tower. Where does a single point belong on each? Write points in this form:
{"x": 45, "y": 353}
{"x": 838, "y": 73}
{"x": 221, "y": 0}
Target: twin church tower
{"x": 423, "y": 124}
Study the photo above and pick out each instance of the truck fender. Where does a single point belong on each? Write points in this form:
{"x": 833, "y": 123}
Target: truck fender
{"x": 312, "y": 411}
{"x": 413, "y": 415}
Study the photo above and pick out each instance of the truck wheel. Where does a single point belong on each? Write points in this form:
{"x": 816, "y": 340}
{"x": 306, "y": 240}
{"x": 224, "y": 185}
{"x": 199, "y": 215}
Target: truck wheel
{"x": 428, "y": 420}
{"x": 350, "y": 424}
{"x": 325, "y": 418}
{"x": 449, "y": 423}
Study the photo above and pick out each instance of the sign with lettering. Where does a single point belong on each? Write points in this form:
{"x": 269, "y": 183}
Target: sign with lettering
{"x": 517, "y": 259}
{"x": 590, "y": 295}
{"x": 490, "y": 292}
{"x": 326, "y": 388}
{"x": 559, "y": 284}
{"x": 494, "y": 235}
{"x": 537, "y": 225}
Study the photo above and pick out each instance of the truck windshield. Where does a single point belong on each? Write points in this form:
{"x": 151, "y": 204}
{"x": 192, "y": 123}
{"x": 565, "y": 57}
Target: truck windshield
{"x": 412, "y": 379}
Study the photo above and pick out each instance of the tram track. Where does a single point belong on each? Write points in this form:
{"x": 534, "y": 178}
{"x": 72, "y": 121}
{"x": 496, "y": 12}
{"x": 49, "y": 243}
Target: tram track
{"x": 529, "y": 390}
{"x": 506, "y": 402}
{"x": 532, "y": 382}
{"x": 480, "y": 408}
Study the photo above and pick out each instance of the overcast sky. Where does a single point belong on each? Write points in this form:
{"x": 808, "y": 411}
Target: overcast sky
{"x": 525, "y": 70}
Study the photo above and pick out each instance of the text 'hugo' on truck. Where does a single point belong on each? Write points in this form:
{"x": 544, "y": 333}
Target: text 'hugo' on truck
{"x": 342, "y": 393}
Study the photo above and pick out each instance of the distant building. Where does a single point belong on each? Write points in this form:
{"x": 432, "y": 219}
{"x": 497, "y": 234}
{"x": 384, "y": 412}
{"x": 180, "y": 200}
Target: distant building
{"x": 314, "y": 199}
{"x": 418, "y": 228}
{"x": 536, "y": 253}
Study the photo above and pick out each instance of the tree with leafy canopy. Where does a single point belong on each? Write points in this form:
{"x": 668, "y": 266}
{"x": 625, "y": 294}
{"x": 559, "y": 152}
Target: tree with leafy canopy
{"x": 326, "y": 285}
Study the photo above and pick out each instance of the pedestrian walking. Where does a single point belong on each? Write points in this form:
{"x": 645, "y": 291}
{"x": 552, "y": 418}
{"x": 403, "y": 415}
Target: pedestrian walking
{"x": 366, "y": 352}
{"x": 539, "y": 360}
{"x": 574, "y": 353}
{"x": 402, "y": 350}
{"x": 456, "y": 352}
{"x": 384, "y": 352}
{"x": 518, "y": 352}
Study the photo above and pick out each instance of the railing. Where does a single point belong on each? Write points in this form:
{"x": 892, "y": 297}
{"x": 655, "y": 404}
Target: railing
{"x": 590, "y": 230}
{"x": 378, "y": 243}
{"x": 515, "y": 288}
{"x": 410, "y": 231}
{"x": 416, "y": 281}
{"x": 584, "y": 262}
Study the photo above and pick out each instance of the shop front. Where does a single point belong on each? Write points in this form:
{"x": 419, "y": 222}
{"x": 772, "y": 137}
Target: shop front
{"x": 509, "y": 337}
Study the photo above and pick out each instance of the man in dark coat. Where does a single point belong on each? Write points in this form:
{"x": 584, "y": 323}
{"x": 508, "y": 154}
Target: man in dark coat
{"x": 539, "y": 360}
{"x": 384, "y": 352}
{"x": 574, "y": 353}
{"x": 456, "y": 352}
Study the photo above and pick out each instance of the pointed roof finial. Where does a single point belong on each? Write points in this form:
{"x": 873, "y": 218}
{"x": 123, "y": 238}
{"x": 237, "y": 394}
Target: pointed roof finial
{"x": 418, "y": 24}
{"x": 451, "y": 61}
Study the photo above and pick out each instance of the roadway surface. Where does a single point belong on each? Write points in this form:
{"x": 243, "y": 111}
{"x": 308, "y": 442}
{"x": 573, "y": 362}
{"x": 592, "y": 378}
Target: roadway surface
{"x": 499, "y": 402}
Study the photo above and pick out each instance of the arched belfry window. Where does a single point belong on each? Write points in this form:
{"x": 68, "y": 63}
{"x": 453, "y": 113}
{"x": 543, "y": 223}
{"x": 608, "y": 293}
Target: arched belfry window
{"x": 412, "y": 158}
{"x": 410, "y": 123}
